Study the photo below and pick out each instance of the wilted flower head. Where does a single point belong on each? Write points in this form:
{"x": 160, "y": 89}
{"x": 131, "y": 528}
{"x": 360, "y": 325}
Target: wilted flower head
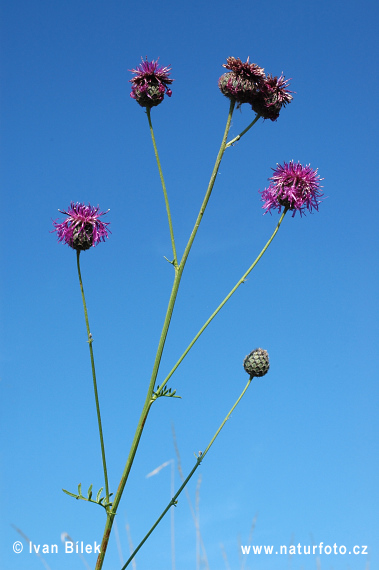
{"x": 294, "y": 187}
{"x": 82, "y": 227}
{"x": 272, "y": 96}
{"x": 247, "y": 83}
{"x": 150, "y": 83}
{"x": 242, "y": 82}
{"x": 244, "y": 70}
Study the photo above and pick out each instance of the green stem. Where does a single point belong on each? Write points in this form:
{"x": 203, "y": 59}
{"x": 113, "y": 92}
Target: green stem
{"x": 221, "y": 304}
{"x": 175, "y": 260}
{"x": 210, "y": 185}
{"x": 237, "y": 138}
{"x": 171, "y": 504}
{"x": 225, "y": 420}
{"x": 148, "y": 401}
{"x": 90, "y": 341}
{"x": 198, "y": 461}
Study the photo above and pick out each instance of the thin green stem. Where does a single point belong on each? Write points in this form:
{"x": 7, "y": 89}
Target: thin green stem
{"x": 210, "y": 185}
{"x": 237, "y": 138}
{"x": 148, "y": 401}
{"x": 172, "y": 503}
{"x": 243, "y": 278}
{"x": 199, "y": 459}
{"x": 175, "y": 260}
{"x": 90, "y": 341}
{"x": 225, "y": 420}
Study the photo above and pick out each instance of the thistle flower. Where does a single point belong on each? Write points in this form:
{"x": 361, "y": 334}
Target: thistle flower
{"x": 150, "y": 83}
{"x": 257, "y": 363}
{"x": 82, "y": 228}
{"x": 247, "y": 83}
{"x": 272, "y": 96}
{"x": 242, "y": 82}
{"x": 294, "y": 187}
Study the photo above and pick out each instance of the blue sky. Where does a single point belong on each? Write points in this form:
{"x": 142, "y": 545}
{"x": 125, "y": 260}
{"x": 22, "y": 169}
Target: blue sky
{"x": 301, "y": 450}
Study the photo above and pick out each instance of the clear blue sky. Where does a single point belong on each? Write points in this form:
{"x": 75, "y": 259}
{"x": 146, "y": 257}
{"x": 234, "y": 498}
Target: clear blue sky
{"x": 301, "y": 450}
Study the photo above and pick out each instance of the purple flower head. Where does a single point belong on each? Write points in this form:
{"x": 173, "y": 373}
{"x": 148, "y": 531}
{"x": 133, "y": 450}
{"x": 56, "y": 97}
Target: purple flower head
{"x": 293, "y": 187}
{"x": 242, "y": 82}
{"x": 150, "y": 83}
{"x": 82, "y": 228}
{"x": 273, "y": 95}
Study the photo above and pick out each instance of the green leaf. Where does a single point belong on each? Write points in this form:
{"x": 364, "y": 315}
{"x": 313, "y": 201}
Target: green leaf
{"x": 98, "y": 494}
{"x": 90, "y": 492}
{"x": 71, "y": 494}
{"x": 80, "y": 490}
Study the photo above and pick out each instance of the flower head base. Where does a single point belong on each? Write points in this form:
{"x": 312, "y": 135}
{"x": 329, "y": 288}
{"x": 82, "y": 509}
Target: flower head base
{"x": 273, "y": 95}
{"x": 82, "y": 227}
{"x": 242, "y": 82}
{"x": 150, "y": 83}
{"x": 293, "y": 187}
{"x": 247, "y": 83}
{"x": 257, "y": 363}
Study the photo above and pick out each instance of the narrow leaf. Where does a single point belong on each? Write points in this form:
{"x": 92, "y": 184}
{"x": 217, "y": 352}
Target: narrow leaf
{"x": 71, "y": 494}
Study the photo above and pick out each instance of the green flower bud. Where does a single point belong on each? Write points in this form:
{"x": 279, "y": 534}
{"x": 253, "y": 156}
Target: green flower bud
{"x": 257, "y": 363}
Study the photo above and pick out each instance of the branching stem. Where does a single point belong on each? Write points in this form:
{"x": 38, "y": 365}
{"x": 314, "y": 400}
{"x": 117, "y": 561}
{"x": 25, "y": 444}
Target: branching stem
{"x": 148, "y": 401}
{"x": 237, "y": 138}
{"x": 199, "y": 459}
{"x": 243, "y": 278}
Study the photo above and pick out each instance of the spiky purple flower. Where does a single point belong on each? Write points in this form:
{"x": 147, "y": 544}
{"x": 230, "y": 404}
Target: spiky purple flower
{"x": 150, "y": 83}
{"x": 272, "y": 96}
{"x": 293, "y": 187}
{"x": 82, "y": 228}
{"x": 242, "y": 82}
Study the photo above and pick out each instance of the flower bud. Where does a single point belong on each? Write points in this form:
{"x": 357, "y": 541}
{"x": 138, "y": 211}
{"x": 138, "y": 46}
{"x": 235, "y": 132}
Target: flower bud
{"x": 257, "y": 363}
